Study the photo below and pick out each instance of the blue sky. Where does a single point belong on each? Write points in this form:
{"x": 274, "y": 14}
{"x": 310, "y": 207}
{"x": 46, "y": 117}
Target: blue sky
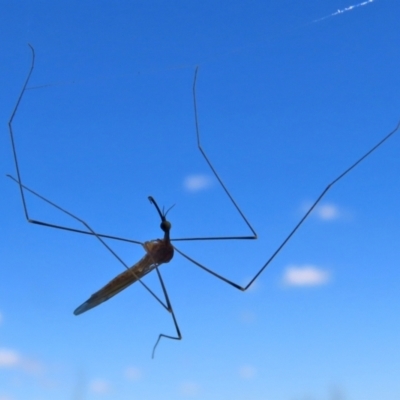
{"x": 289, "y": 95}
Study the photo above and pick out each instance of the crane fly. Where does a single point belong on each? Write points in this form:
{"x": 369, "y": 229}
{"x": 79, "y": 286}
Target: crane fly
{"x": 160, "y": 251}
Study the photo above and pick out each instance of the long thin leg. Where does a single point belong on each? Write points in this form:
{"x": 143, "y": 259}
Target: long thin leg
{"x": 11, "y": 129}
{"x": 170, "y": 309}
{"x": 22, "y": 187}
{"x": 88, "y": 232}
{"x": 243, "y": 288}
{"x": 199, "y": 146}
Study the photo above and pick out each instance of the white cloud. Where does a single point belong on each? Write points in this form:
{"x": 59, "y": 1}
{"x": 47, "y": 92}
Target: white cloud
{"x": 100, "y": 386}
{"x": 189, "y": 389}
{"x": 12, "y": 359}
{"x": 324, "y": 211}
{"x": 9, "y": 358}
{"x": 195, "y": 183}
{"x": 327, "y": 212}
{"x": 306, "y": 275}
{"x": 133, "y": 374}
{"x": 247, "y": 372}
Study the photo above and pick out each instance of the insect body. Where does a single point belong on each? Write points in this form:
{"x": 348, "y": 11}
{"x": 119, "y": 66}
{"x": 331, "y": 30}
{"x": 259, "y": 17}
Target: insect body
{"x": 158, "y": 252}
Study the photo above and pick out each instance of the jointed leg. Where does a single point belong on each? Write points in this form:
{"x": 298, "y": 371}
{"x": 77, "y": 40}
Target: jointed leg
{"x": 170, "y": 309}
{"x": 244, "y": 288}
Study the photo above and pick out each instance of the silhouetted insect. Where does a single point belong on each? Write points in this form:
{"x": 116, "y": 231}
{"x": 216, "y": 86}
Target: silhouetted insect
{"x": 159, "y": 251}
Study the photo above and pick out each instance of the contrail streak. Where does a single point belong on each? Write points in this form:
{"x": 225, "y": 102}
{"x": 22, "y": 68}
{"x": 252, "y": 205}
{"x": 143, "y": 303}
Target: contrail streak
{"x": 342, "y": 11}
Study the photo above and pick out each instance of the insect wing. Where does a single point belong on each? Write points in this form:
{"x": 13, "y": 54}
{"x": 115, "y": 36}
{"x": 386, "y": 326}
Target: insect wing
{"x": 119, "y": 283}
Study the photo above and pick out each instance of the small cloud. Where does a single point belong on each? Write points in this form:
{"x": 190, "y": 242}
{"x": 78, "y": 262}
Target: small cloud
{"x": 327, "y": 212}
{"x": 12, "y": 359}
{"x": 247, "y": 372}
{"x": 9, "y": 358}
{"x": 195, "y": 183}
{"x": 189, "y": 389}
{"x": 306, "y": 275}
{"x": 324, "y": 212}
{"x": 100, "y": 386}
{"x": 133, "y": 374}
